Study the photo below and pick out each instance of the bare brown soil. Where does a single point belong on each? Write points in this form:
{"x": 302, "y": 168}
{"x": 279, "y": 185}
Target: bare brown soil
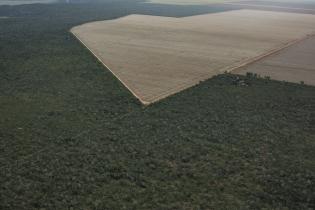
{"x": 188, "y": 2}
{"x": 155, "y": 57}
{"x": 272, "y": 7}
{"x": 294, "y": 64}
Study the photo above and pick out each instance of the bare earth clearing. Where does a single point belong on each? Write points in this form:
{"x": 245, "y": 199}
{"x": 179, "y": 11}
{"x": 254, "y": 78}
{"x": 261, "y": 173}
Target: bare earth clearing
{"x": 188, "y": 2}
{"x": 294, "y": 64}
{"x": 158, "y": 56}
{"x": 299, "y": 8}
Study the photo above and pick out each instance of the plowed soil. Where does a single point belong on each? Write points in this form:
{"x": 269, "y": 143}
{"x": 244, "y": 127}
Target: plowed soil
{"x": 294, "y": 64}
{"x": 155, "y": 57}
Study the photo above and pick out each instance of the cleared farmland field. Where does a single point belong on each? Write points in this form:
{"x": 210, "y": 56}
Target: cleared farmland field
{"x": 294, "y": 64}
{"x": 73, "y": 137}
{"x": 158, "y": 56}
{"x": 188, "y": 2}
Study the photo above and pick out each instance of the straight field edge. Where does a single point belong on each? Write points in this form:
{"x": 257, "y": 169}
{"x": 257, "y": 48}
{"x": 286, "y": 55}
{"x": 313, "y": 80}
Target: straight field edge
{"x": 184, "y": 86}
{"x": 112, "y": 72}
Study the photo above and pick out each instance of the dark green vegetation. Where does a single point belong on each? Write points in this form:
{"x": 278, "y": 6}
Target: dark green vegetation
{"x": 72, "y": 137}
